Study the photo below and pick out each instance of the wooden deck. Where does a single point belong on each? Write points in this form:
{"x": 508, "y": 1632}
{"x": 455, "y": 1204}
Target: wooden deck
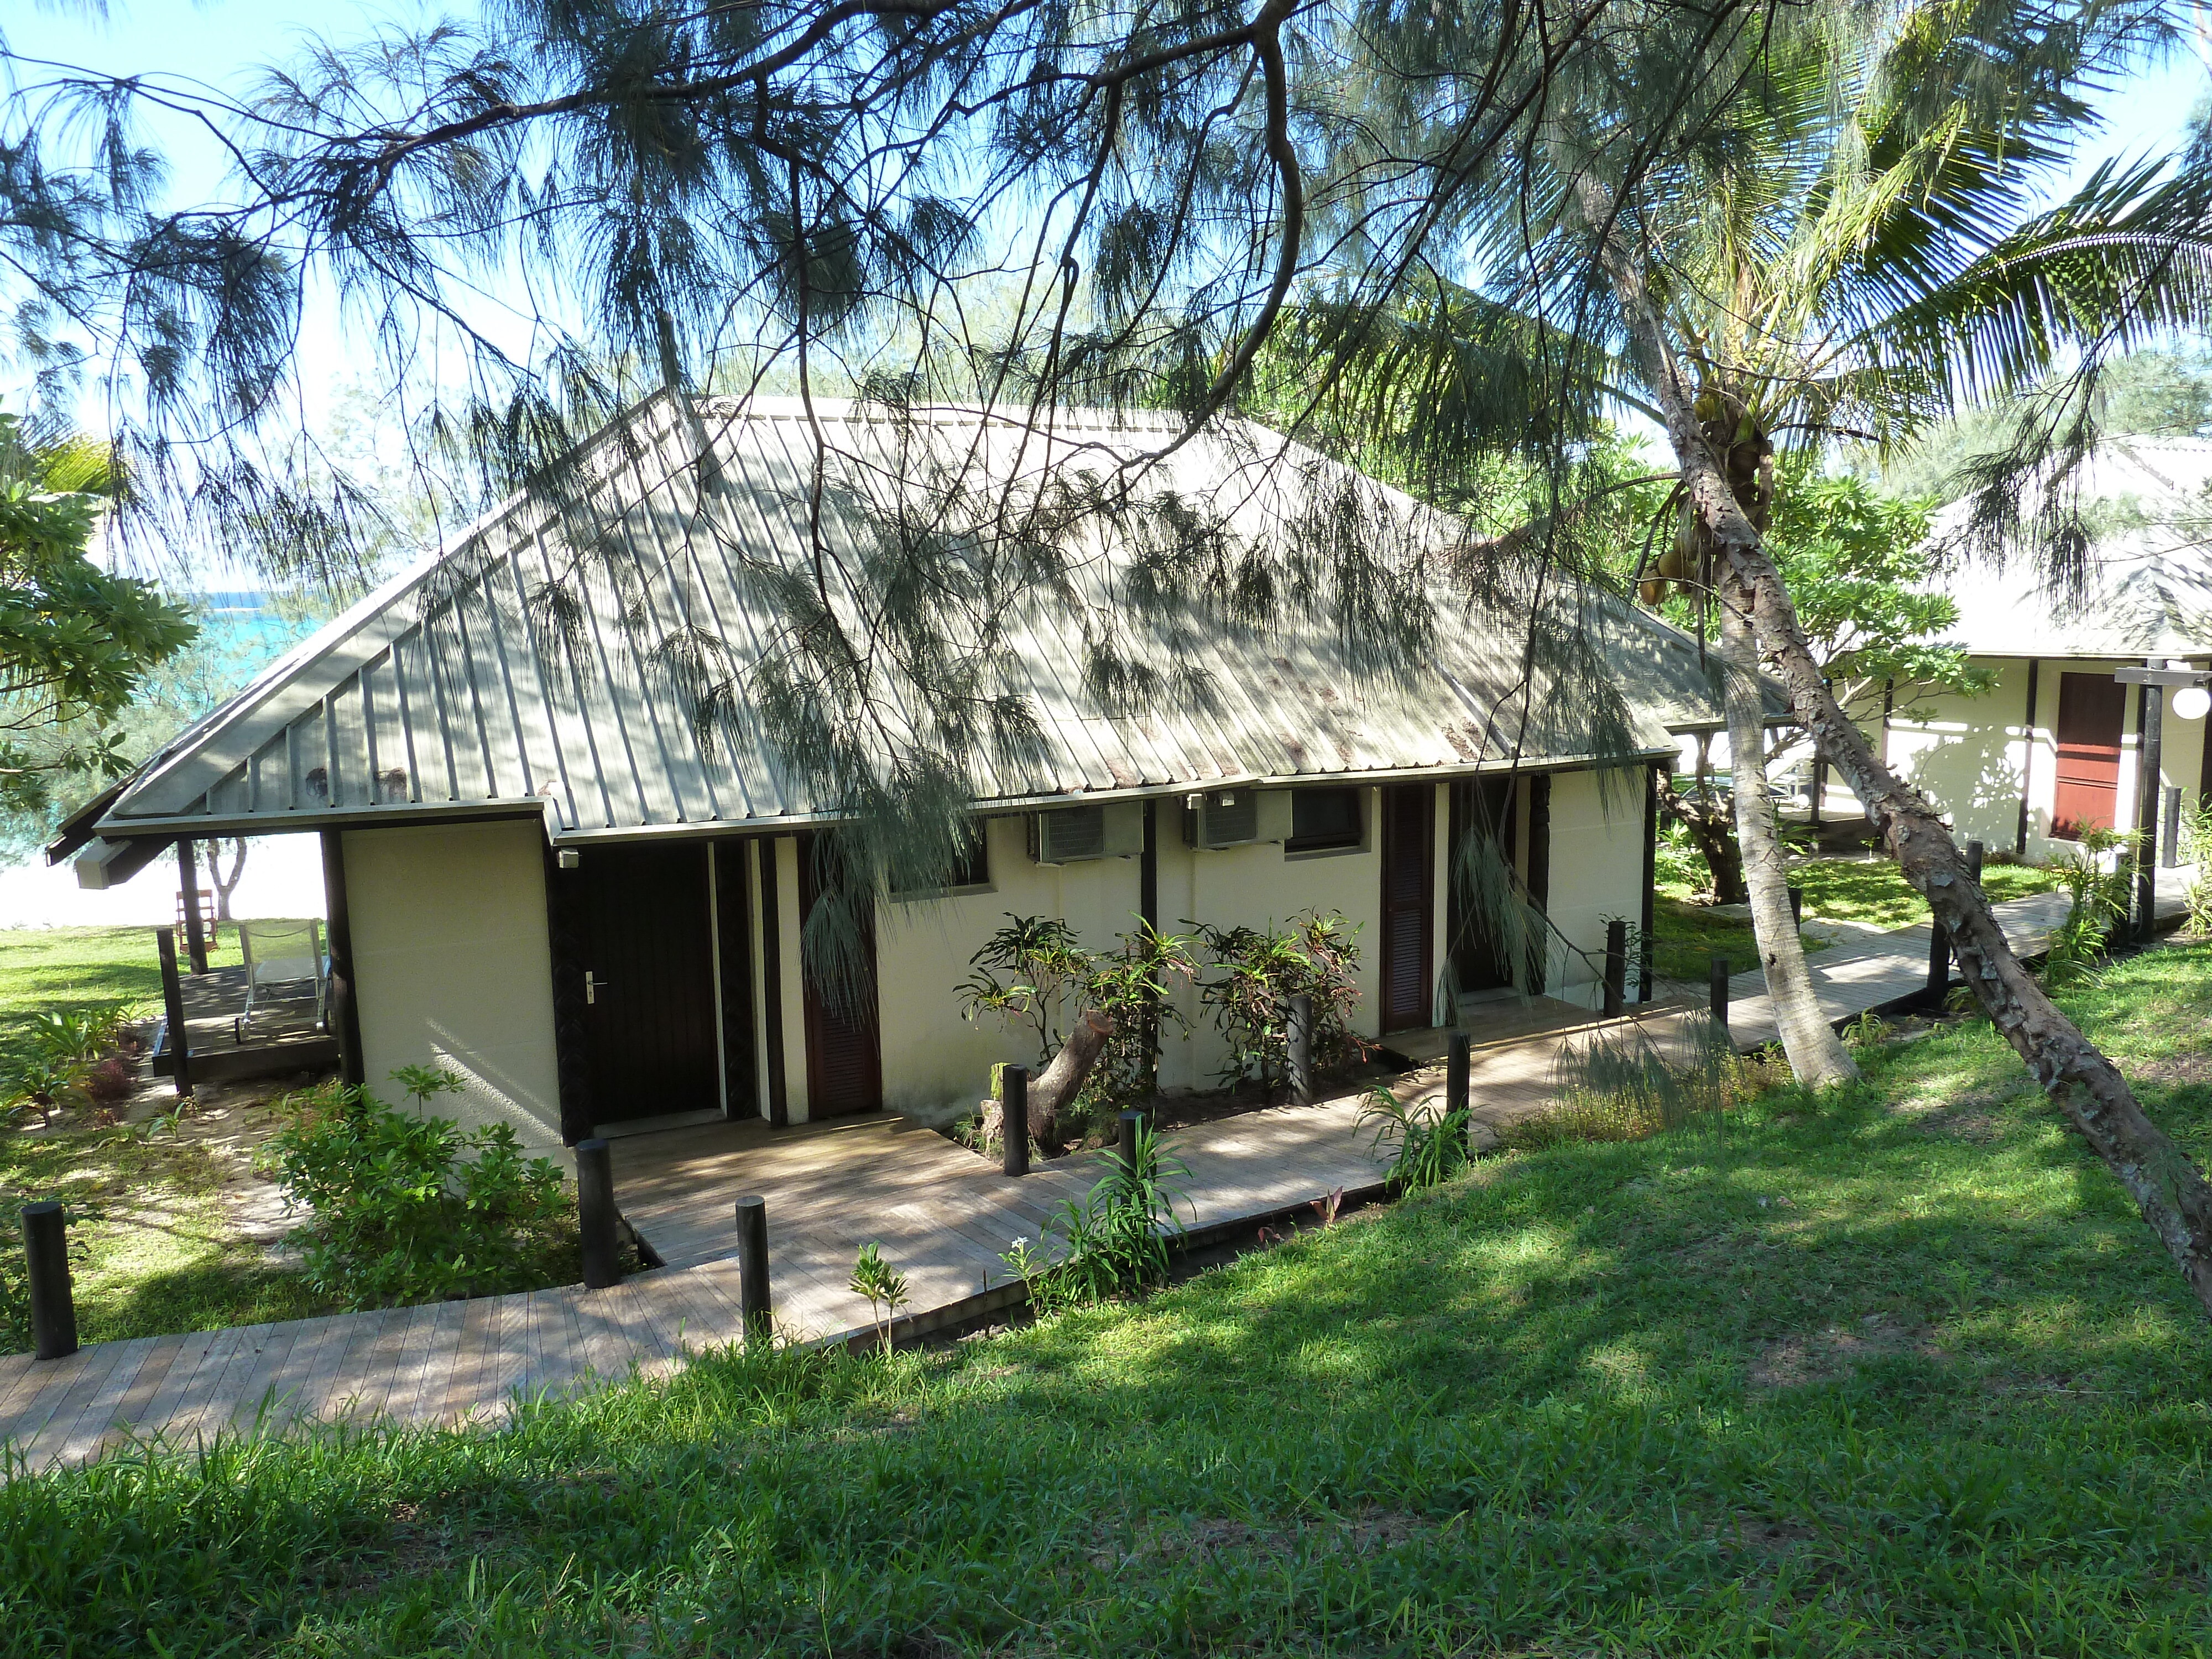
{"x": 939, "y": 1213}
{"x": 283, "y": 1037}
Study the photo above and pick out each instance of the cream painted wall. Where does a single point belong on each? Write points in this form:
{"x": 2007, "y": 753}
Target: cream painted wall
{"x": 451, "y": 960}
{"x": 794, "y": 985}
{"x": 1967, "y": 754}
{"x": 937, "y": 1065}
{"x": 1596, "y": 873}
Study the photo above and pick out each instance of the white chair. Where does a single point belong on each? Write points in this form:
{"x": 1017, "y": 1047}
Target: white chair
{"x": 280, "y": 953}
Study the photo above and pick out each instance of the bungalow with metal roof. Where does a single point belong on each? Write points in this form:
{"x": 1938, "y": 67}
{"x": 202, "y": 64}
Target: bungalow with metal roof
{"x": 542, "y": 876}
{"x": 2054, "y": 744}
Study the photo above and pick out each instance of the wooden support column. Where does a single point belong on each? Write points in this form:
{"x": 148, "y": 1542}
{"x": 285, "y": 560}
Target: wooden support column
{"x": 188, "y": 875}
{"x": 172, "y": 1007}
{"x": 2027, "y": 758}
{"x": 572, "y": 1067}
{"x": 771, "y": 921}
{"x": 344, "y": 1010}
{"x": 1647, "y": 923}
{"x": 1538, "y": 877}
{"x": 2150, "y": 721}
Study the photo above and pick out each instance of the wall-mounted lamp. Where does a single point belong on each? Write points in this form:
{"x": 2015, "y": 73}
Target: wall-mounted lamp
{"x": 569, "y": 858}
{"x": 2191, "y": 702}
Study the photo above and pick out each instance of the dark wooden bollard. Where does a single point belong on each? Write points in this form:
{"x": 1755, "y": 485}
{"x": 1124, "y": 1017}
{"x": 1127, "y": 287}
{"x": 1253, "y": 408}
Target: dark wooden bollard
{"x": 1938, "y": 936}
{"x": 1132, "y": 1122}
{"x": 595, "y": 1214}
{"x": 1720, "y": 988}
{"x": 1014, "y": 1118}
{"x": 1298, "y": 1042}
{"x": 1975, "y": 853}
{"x": 1796, "y": 907}
{"x": 753, "y": 1301}
{"x": 2169, "y": 830}
{"x": 45, "y": 1259}
{"x": 1616, "y": 966}
{"x": 1458, "y": 1065}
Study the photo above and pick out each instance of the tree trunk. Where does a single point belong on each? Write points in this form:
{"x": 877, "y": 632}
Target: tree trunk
{"x": 2168, "y": 1189}
{"x": 1817, "y": 1055}
{"x": 1711, "y": 819}
{"x": 1051, "y": 1090}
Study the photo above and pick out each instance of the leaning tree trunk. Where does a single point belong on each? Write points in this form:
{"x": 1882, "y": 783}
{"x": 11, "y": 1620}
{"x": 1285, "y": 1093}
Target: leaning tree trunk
{"x": 1711, "y": 825}
{"x": 2169, "y": 1190}
{"x": 1061, "y": 1081}
{"x": 1817, "y": 1055}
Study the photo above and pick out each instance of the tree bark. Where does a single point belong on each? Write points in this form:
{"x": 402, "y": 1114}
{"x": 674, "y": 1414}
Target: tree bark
{"x": 1711, "y": 820}
{"x": 1817, "y": 1056}
{"x": 1061, "y": 1081}
{"x": 2169, "y": 1190}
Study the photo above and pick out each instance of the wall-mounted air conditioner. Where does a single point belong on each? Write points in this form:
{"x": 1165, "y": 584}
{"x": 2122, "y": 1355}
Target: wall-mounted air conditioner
{"x": 1237, "y": 818}
{"x": 1068, "y": 835}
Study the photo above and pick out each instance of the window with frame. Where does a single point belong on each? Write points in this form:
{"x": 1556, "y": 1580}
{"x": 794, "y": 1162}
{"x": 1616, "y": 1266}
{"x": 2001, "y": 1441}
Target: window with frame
{"x": 970, "y": 868}
{"x": 1326, "y": 820}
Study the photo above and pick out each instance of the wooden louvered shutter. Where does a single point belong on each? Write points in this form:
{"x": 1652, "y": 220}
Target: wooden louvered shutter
{"x": 2093, "y": 717}
{"x": 1409, "y": 822}
{"x": 844, "y": 1051}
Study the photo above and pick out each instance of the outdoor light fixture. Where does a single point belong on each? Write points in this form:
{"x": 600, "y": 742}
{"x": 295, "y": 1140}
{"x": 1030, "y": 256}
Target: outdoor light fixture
{"x": 2191, "y": 702}
{"x": 568, "y": 858}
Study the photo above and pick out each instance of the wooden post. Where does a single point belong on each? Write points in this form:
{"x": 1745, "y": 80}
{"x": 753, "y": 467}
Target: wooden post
{"x": 1457, "y": 1067}
{"x": 1939, "y": 959}
{"x": 2169, "y": 830}
{"x": 2150, "y": 719}
{"x": 753, "y": 1301}
{"x": 771, "y": 923}
{"x": 196, "y": 944}
{"x": 1719, "y": 982}
{"x": 1796, "y": 907}
{"x": 46, "y": 1263}
{"x": 1646, "y": 974}
{"x": 1014, "y": 1118}
{"x": 1616, "y": 966}
{"x": 1975, "y": 853}
{"x": 595, "y": 1214}
{"x": 172, "y": 1006}
{"x": 1298, "y": 1041}
{"x": 345, "y": 1011}
{"x": 1132, "y": 1122}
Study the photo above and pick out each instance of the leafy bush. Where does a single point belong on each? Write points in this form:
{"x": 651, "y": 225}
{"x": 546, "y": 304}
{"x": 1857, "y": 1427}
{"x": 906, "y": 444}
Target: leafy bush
{"x": 1255, "y": 972}
{"x": 1429, "y": 1143}
{"x": 1117, "y": 1238}
{"x": 404, "y": 1209}
{"x": 2098, "y": 903}
{"x": 1035, "y": 972}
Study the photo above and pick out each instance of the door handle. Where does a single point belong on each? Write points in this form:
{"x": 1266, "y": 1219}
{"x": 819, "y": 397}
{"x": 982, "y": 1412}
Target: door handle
{"x": 593, "y": 988}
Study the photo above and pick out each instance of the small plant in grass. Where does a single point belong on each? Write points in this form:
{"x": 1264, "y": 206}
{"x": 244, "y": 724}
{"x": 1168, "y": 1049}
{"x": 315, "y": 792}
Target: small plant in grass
{"x": 1868, "y": 1030}
{"x": 404, "y": 1209}
{"x": 1428, "y": 1144}
{"x": 883, "y": 1286}
{"x": 1620, "y": 1083}
{"x": 1117, "y": 1237}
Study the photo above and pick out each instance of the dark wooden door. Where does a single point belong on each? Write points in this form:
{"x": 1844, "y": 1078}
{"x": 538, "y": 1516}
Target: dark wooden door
{"x": 645, "y": 939}
{"x": 2093, "y": 712}
{"x": 844, "y": 1050}
{"x": 1481, "y": 814}
{"x": 1409, "y": 904}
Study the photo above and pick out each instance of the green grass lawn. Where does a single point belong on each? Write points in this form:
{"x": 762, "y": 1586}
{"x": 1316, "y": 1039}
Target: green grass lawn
{"x": 1848, "y": 890}
{"x": 1899, "y": 1372}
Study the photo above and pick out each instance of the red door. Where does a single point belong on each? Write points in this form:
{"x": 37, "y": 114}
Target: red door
{"x": 2092, "y": 711}
{"x": 1409, "y": 906}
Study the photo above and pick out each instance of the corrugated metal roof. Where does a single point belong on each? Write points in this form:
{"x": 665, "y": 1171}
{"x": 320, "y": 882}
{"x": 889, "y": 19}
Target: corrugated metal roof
{"x": 2149, "y": 592}
{"x": 469, "y": 684}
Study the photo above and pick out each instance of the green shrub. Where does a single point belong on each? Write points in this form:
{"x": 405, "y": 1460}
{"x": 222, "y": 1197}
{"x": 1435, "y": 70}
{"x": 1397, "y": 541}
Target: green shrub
{"x": 1117, "y": 1238}
{"x": 404, "y": 1209}
{"x": 1429, "y": 1143}
{"x": 1255, "y": 972}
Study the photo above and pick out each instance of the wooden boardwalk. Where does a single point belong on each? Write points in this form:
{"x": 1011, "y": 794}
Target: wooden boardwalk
{"x": 940, "y": 1214}
{"x": 1881, "y": 971}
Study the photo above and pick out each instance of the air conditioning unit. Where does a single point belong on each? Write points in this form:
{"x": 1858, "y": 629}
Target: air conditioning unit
{"x": 1237, "y": 817}
{"x": 1068, "y": 835}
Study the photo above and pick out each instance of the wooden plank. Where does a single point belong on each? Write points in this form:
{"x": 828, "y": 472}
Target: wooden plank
{"x": 75, "y": 1383}
{"x": 321, "y": 1391}
{"x": 357, "y": 1391}
{"x": 130, "y": 1409}
{"x": 173, "y": 1393}
{"x": 282, "y": 1385}
{"x": 479, "y": 1315}
{"x": 204, "y": 1400}
{"x": 417, "y": 1396}
{"x": 68, "y": 1440}
{"x": 272, "y": 1349}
